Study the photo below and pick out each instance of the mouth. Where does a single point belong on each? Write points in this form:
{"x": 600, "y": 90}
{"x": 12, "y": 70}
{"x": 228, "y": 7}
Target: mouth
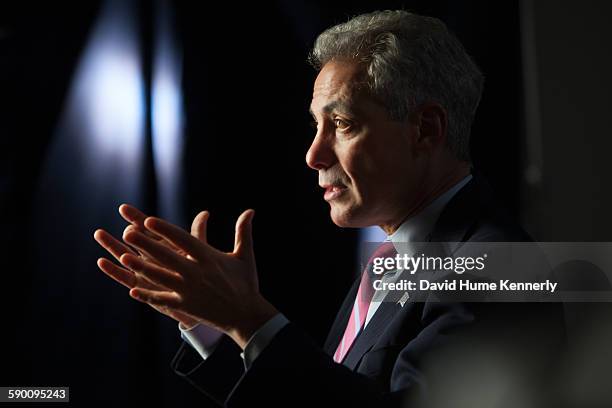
{"x": 333, "y": 191}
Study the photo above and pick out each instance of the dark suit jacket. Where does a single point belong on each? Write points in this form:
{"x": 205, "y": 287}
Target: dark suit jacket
{"x": 405, "y": 355}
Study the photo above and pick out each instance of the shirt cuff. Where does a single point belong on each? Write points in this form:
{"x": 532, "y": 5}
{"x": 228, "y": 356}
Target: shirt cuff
{"x": 202, "y": 338}
{"x": 261, "y": 338}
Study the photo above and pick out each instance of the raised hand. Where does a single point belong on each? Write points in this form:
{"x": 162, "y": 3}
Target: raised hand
{"x": 178, "y": 272}
{"x": 127, "y": 277}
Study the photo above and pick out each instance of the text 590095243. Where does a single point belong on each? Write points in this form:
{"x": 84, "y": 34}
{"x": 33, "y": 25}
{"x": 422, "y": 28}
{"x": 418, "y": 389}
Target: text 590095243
{"x": 34, "y": 394}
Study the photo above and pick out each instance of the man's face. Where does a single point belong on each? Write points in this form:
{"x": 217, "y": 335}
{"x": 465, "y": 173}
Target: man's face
{"x": 366, "y": 161}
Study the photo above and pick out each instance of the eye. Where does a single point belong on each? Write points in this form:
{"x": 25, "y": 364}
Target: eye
{"x": 341, "y": 124}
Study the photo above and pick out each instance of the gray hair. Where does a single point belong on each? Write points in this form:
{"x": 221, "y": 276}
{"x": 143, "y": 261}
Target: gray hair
{"x": 409, "y": 59}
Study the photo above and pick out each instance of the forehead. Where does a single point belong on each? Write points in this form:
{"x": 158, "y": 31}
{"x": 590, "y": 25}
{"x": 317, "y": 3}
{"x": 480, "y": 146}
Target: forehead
{"x": 338, "y": 81}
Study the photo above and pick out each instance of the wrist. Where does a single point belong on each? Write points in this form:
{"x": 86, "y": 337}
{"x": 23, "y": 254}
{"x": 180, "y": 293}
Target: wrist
{"x": 258, "y": 314}
{"x": 188, "y": 324}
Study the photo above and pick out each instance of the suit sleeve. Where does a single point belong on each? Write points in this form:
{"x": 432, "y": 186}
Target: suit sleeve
{"x": 215, "y": 376}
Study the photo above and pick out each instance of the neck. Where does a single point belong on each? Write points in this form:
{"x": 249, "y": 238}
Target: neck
{"x": 431, "y": 191}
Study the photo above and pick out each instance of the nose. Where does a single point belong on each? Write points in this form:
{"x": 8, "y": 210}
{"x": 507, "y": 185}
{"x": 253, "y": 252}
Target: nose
{"x": 320, "y": 155}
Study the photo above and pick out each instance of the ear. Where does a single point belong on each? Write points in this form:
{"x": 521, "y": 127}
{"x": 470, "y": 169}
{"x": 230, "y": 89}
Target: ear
{"x": 432, "y": 122}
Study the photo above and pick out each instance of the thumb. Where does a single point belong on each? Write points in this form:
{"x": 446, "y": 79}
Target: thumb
{"x": 243, "y": 244}
{"x": 198, "y": 226}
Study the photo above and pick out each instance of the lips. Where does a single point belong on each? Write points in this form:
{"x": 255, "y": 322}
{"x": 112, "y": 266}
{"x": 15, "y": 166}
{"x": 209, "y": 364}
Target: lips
{"x": 333, "y": 191}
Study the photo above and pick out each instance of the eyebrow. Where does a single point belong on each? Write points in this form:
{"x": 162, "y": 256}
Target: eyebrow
{"x": 337, "y": 104}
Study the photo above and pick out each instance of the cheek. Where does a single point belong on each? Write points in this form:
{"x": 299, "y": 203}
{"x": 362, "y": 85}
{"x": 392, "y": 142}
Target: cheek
{"x": 382, "y": 177}
{"x": 374, "y": 172}
{"x": 356, "y": 161}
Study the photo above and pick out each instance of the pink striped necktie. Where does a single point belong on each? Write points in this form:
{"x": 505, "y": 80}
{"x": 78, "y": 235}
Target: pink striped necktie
{"x": 362, "y": 303}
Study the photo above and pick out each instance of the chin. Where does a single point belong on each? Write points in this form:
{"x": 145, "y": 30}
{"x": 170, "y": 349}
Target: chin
{"x": 346, "y": 216}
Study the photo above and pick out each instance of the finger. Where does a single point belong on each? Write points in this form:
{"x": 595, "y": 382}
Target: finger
{"x": 243, "y": 244}
{"x": 159, "y": 239}
{"x": 125, "y": 276}
{"x": 153, "y": 272}
{"x": 121, "y": 275}
{"x": 143, "y": 254}
{"x": 199, "y": 224}
{"x": 159, "y": 252}
{"x": 157, "y": 298}
{"x": 115, "y": 247}
{"x": 179, "y": 237}
{"x": 135, "y": 217}
{"x": 132, "y": 214}
{"x": 132, "y": 227}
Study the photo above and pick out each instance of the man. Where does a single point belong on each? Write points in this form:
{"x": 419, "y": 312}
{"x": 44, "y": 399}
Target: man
{"x": 393, "y": 102}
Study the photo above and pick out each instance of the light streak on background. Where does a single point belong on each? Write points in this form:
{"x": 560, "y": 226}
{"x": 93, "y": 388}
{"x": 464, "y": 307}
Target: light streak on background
{"x": 94, "y": 162}
{"x": 109, "y": 92}
{"x": 167, "y": 115}
{"x": 108, "y": 97}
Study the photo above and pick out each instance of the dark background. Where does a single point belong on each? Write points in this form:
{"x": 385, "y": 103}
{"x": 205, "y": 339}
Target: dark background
{"x": 246, "y": 88}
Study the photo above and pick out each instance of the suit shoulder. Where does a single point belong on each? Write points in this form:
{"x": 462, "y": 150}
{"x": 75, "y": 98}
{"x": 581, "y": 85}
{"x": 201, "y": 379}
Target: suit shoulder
{"x": 495, "y": 224}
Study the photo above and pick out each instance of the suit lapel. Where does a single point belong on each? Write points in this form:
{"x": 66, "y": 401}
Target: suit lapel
{"x": 372, "y": 332}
